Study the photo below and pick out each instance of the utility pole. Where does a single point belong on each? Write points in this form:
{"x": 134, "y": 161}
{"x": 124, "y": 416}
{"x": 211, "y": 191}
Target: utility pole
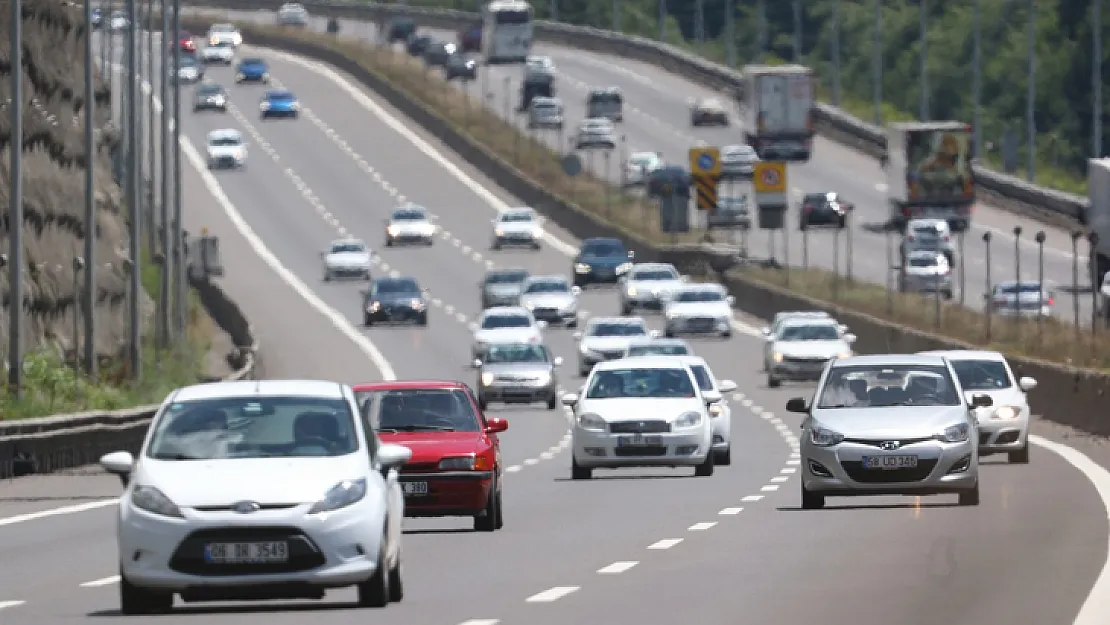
{"x": 797, "y": 31}
{"x": 730, "y": 33}
{"x": 977, "y": 79}
{"x": 15, "y": 207}
{"x": 1096, "y": 80}
{"x": 924, "y": 60}
{"x": 132, "y": 191}
{"x": 88, "y": 299}
{"x": 1031, "y": 98}
{"x": 178, "y": 207}
{"x": 836, "y": 53}
{"x": 166, "y": 148}
{"x": 877, "y": 63}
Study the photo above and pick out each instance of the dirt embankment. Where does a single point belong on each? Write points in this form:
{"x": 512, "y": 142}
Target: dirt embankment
{"x": 53, "y": 184}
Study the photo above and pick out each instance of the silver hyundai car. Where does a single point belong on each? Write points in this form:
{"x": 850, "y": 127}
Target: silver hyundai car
{"x": 889, "y": 425}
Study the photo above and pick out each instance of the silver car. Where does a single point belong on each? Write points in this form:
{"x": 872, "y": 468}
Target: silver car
{"x": 545, "y": 113}
{"x": 738, "y": 161}
{"x": 801, "y": 348}
{"x": 502, "y": 287}
{"x": 926, "y": 272}
{"x": 292, "y": 14}
{"x": 929, "y": 235}
{"x": 732, "y": 212}
{"x": 225, "y": 33}
{"x": 347, "y": 258}
{"x": 597, "y": 132}
{"x": 699, "y": 309}
{"x": 517, "y": 226}
{"x": 409, "y": 224}
{"x": 648, "y": 285}
{"x": 506, "y": 324}
{"x": 551, "y": 299}
{"x": 889, "y": 425}
{"x": 639, "y": 167}
{"x": 517, "y": 373}
{"x": 658, "y": 347}
{"x": 1027, "y": 298}
{"x": 720, "y": 414}
{"x": 606, "y": 338}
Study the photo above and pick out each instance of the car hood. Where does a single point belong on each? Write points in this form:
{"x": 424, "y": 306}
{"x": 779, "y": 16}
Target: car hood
{"x": 548, "y": 300}
{"x": 264, "y": 480}
{"x": 225, "y": 150}
{"x": 516, "y": 226}
{"x": 639, "y": 408}
{"x": 411, "y": 226}
{"x": 252, "y": 69}
{"x": 347, "y": 258}
{"x": 398, "y": 298}
{"x": 1001, "y": 397}
{"x": 216, "y": 51}
{"x": 506, "y": 335}
{"x": 893, "y": 422}
{"x": 524, "y": 369}
{"x": 607, "y": 343}
{"x": 434, "y": 446}
{"x": 693, "y": 309}
{"x": 655, "y": 287}
{"x": 811, "y": 349}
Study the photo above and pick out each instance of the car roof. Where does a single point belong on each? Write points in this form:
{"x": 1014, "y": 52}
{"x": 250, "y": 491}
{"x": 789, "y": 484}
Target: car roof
{"x": 516, "y": 210}
{"x": 926, "y": 254}
{"x": 394, "y": 280}
{"x": 641, "y": 362}
{"x": 602, "y": 240}
{"x": 890, "y": 359}
{"x": 259, "y": 388}
{"x": 966, "y": 354}
{"x": 497, "y": 311}
{"x": 404, "y": 208}
{"x": 790, "y": 322}
{"x": 691, "y": 359}
{"x": 647, "y": 340}
{"x": 401, "y": 385}
{"x": 225, "y": 133}
{"x": 605, "y": 90}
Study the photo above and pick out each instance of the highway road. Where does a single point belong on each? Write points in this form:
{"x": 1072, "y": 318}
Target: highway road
{"x": 637, "y": 546}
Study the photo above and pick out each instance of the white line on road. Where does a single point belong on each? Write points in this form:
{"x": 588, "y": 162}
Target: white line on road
{"x": 43, "y": 514}
{"x": 751, "y": 498}
{"x": 105, "y": 581}
{"x": 666, "y": 543}
{"x": 770, "y": 488}
{"x": 731, "y": 511}
{"x": 552, "y": 594}
{"x": 701, "y": 527}
{"x": 10, "y": 604}
{"x": 778, "y": 479}
{"x": 617, "y": 567}
{"x": 481, "y": 621}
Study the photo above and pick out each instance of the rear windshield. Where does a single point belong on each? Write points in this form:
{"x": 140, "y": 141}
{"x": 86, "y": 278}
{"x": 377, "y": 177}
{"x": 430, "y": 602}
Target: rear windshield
{"x": 509, "y": 277}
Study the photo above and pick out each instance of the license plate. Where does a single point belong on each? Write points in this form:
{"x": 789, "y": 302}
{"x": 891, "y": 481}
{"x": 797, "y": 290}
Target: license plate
{"x": 246, "y": 553}
{"x": 890, "y": 462}
{"x": 414, "y": 488}
{"x": 639, "y": 440}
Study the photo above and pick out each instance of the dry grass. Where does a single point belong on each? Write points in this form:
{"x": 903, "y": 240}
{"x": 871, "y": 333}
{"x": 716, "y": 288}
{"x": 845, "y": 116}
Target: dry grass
{"x": 1050, "y": 340}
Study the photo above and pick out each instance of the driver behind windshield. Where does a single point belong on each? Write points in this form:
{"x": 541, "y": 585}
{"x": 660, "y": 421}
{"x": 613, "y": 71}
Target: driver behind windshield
{"x": 514, "y": 353}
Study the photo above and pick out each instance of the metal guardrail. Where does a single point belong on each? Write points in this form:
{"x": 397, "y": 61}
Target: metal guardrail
{"x": 1007, "y": 191}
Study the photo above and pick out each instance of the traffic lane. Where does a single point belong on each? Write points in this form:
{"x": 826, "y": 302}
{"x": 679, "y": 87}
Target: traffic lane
{"x": 865, "y": 564}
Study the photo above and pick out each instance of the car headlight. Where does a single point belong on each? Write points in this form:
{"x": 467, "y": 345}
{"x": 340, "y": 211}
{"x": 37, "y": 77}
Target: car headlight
{"x": 624, "y": 267}
{"x": 537, "y": 232}
{"x": 374, "y": 306}
{"x": 543, "y": 379}
{"x": 417, "y": 304}
{"x": 1006, "y": 412}
{"x": 213, "y": 41}
{"x": 582, "y": 268}
{"x": 219, "y": 99}
{"x": 296, "y": 106}
{"x": 341, "y": 495}
{"x": 778, "y": 357}
{"x": 393, "y": 231}
{"x": 530, "y": 305}
{"x": 264, "y": 106}
{"x": 461, "y": 463}
{"x": 688, "y": 420}
{"x": 265, "y": 74}
{"x": 592, "y": 423}
{"x": 487, "y": 379}
{"x": 956, "y": 434}
{"x": 499, "y": 232}
{"x": 154, "y": 501}
{"x": 847, "y": 354}
{"x": 824, "y": 437}
{"x": 240, "y": 75}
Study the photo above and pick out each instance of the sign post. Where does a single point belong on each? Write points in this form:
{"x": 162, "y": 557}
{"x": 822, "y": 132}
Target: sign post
{"x": 672, "y": 188}
{"x": 705, "y": 170}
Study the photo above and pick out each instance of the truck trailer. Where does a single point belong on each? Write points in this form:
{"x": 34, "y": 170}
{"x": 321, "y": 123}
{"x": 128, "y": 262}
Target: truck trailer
{"x": 928, "y": 172}
{"x": 778, "y": 104}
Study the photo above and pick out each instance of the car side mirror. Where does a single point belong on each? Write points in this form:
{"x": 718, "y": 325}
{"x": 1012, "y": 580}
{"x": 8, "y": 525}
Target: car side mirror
{"x": 1027, "y": 384}
{"x": 558, "y": 362}
{"x": 119, "y": 463}
{"x": 726, "y": 386}
{"x": 765, "y": 331}
{"x": 495, "y": 425}
{"x": 541, "y": 324}
{"x": 476, "y": 363}
{"x": 849, "y": 338}
{"x": 981, "y": 400}
{"x": 392, "y": 456}
{"x": 576, "y": 290}
{"x": 631, "y": 255}
{"x": 797, "y": 405}
{"x": 731, "y": 300}
{"x": 577, "y": 336}
{"x": 570, "y": 399}
{"x": 711, "y": 397}
{"x": 654, "y": 334}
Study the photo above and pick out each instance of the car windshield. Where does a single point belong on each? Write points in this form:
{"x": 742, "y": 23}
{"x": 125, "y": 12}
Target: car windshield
{"x": 222, "y": 28}
{"x": 225, "y": 142}
{"x": 341, "y": 248}
{"x": 982, "y": 375}
{"x": 603, "y": 248}
{"x": 548, "y": 286}
{"x": 926, "y": 231}
{"x": 220, "y": 44}
{"x": 279, "y": 96}
{"x": 521, "y": 216}
{"x": 520, "y": 352}
{"x": 860, "y": 386}
{"x": 661, "y": 350}
{"x": 924, "y": 261}
{"x": 816, "y": 332}
{"x": 397, "y": 286}
{"x": 617, "y": 329}
{"x": 496, "y": 322}
{"x": 643, "y": 159}
{"x": 253, "y": 427}
{"x": 644, "y": 275}
{"x": 419, "y": 410}
{"x": 188, "y": 61}
{"x": 252, "y": 62}
{"x": 644, "y": 383}
{"x": 409, "y": 215}
{"x": 509, "y": 277}
{"x": 699, "y": 296}
{"x": 210, "y": 90}
{"x": 1024, "y": 287}
{"x": 701, "y": 374}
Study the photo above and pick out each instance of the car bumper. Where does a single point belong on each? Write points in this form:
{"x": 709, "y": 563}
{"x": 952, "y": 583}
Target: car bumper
{"x": 251, "y": 78}
{"x": 397, "y": 314}
{"x": 224, "y": 162}
{"x": 325, "y": 551}
{"x": 592, "y": 358}
{"x": 821, "y": 218}
{"x": 648, "y": 302}
{"x": 209, "y": 106}
{"x": 926, "y": 285}
{"x": 837, "y": 470}
{"x": 512, "y": 394}
{"x": 798, "y": 371}
{"x": 349, "y": 272}
{"x": 215, "y": 59}
{"x": 279, "y": 113}
{"x": 409, "y": 238}
{"x": 554, "y": 315}
{"x": 599, "y": 450}
{"x": 1029, "y": 313}
{"x": 737, "y": 170}
{"x": 490, "y": 301}
{"x": 698, "y": 325}
{"x": 722, "y": 432}
{"x": 510, "y": 238}
{"x": 996, "y": 437}
{"x": 446, "y": 493}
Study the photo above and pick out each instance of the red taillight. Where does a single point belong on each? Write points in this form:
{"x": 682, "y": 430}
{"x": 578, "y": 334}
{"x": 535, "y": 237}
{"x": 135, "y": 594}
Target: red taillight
{"x": 1051, "y": 301}
{"x": 909, "y": 238}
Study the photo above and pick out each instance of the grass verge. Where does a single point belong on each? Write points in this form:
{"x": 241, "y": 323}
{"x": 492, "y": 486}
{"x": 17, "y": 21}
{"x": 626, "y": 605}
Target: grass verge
{"x": 1050, "y": 341}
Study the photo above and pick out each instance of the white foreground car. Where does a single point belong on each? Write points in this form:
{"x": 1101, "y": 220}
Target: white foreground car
{"x": 347, "y": 258}
{"x": 518, "y": 227}
{"x": 225, "y": 33}
{"x": 699, "y": 309}
{"x": 258, "y": 490}
{"x": 641, "y": 412}
{"x": 720, "y": 415}
{"x": 506, "y": 324}
{"x": 226, "y": 148}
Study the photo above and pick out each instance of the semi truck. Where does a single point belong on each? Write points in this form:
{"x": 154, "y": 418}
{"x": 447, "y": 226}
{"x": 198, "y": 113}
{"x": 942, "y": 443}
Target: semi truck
{"x": 778, "y": 104}
{"x": 928, "y": 172}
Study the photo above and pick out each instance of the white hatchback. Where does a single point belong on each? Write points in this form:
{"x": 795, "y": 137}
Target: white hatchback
{"x": 271, "y": 489}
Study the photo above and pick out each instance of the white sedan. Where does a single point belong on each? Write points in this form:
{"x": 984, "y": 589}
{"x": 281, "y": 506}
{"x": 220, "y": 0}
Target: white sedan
{"x": 641, "y": 412}
{"x": 256, "y": 490}
{"x": 517, "y": 226}
{"x": 347, "y": 258}
{"x": 720, "y": 413}
{"x": 506, "y": 324}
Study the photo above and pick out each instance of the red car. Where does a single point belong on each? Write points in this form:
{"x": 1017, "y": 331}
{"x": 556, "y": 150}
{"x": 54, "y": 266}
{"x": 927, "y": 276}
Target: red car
{"x": 187, "y": 44}
{"x": 455, "y": 469}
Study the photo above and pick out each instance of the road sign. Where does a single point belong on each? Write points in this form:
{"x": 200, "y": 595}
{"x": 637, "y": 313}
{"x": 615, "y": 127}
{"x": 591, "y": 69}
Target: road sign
{"x": 769, "y": 177}
{"x": 707, "y": 193}
{"x": 705, "y": 161}
{"x": 572, "y": 165}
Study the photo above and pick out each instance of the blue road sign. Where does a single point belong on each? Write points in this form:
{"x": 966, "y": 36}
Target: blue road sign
{"x": 706, "y": 162}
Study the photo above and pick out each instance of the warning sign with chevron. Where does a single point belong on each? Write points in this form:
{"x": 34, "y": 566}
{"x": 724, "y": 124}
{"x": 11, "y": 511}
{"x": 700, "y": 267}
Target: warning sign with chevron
{"x": 707, "y": 193}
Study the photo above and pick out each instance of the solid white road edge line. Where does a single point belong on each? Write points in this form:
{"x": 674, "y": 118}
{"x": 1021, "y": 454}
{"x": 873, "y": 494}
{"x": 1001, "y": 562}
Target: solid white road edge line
{"x": 104, "y": 581}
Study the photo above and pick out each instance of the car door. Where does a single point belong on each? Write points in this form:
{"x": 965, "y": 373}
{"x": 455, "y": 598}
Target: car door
{"x": 395, "y": 497}
{"x": 492, "y": 437}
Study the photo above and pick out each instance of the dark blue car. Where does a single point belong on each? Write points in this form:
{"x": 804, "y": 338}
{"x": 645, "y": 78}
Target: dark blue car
{"x": 601, "y": 261}
{"x": 252, "y": 70}
{"x": 394, "y": 300}
{"x": 279, "y": 103}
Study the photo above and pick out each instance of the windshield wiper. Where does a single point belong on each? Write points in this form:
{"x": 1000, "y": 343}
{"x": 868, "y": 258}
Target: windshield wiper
{"x": 175, "y": 456}
{"x": 418, "y": 428}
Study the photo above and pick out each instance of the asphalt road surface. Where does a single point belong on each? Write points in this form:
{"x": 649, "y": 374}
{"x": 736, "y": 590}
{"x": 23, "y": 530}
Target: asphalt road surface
{"x": 627, "y": 548}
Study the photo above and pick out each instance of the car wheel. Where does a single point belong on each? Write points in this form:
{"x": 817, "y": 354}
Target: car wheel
{"x": 396, "y": 583}
{"x": 724, "y": 458}
{"x": 970, "y": 497}
{"x": 626, "y": 310}
{"x": 430, "y": 241}
{"x": 705, "y": 469}
{"x": 572, "y": 322}
{"x": 500, "y": 511}
{"x": 773, "y": 382}
{"x": 495, "y": 246}
{"x": 812, "y": 500}
{"x": 669, "y": 333}
{"x": 422, "y": 320}
{"x": 327, "y": 276}
{"x": 948, "y": 294}
{"x": 579, "y": 472}
{"x": 727, "y": 334}
{"x": 389, "y": 242}
{"x": 583, "y": 371}
{"x": 367, "y": 321}
{"x": 486, "y": 521}
{"x": 536, "y": 245}
{"x": 135, "y": 600}
{"x": 374, "y": 592}
{"x": 552, "y": 402}
{"x": 1020, "y": 456}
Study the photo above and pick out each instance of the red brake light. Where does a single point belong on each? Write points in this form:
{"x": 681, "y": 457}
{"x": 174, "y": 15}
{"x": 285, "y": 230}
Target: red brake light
{"x": 1051, "y": 301}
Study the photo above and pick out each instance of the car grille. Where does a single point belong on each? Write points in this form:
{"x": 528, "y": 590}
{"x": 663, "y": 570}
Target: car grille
{"x": 188, "y": 558}
{"x": 546, "y": 314}
{"x": 516, "y": 379}
{"x": 879, "y": 442}
{"x": 855, "y": 470}
{"x": 805, "y": 360}
{"x": 985, "y": 437}
{"x": 226, "y": 161}
{"x": 640, "y": 427}
{"x": 419, "y": 467}
{"x": 648, "y": 451}
{"x": 700, "y": 324}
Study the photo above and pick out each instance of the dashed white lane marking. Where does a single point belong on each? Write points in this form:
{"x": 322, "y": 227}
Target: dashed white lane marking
{"x": 513, "y": 468}
{"x": 10, "y": 604}
{"x": 547, "y": 455}
{"x": 617, "y": 567}
{"x": 770, "y": 488}
{"x": 794, "y": 462}
{"x": 531, "y": 462}
{"x": 552, "y": 594}
{"x": 751, "y": 498}
{"x": 481, "y": 621}
{"x": 730, "y": 511}
{"x": 666, "y": 543}
{"x": 778, "y": 479}
{"x": 45, "y": 514}
{"x": 701, "y": 527}
{"x": 788, "y": 470}
{"x": 104, "y": 581}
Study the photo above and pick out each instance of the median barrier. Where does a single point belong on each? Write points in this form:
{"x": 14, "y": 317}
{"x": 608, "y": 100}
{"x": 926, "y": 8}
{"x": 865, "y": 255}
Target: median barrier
{"x": 1053, "y": 207}
{"x": 1065, "y": 395}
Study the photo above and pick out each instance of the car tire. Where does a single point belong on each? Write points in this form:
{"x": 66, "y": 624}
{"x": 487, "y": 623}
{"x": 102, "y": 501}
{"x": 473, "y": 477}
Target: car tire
{"x": 500, "y": 511}
{"x": 486, "y": 521}
{"x": 812, "y": 500}
{"x": 583, "y": 371}
{"x": 374, "y": 592}
{"x": 705, "y": 469}
{"x": 367, "y": 321}
{"x": 947, "y": 294}
{"x": 327, "y": 276}
{"x": 773, "y": 382}
{"x": 134, "y": 600}
{"x": 727, "y": 334}
{"x": 572, "y": 322}
{"x": 970, "y": 497}
{"x": 495, "y": 246}
{"x": 579, "y": 472}
{"x": 1020, "y": 456}
{"x": 669, "y": 333}
{"x": 626, "y": 310}
{"x": 422, "y": 320}
{"x": 536, "y": 245}
{"x": 396, "y": 582}
{"x": 552, "y": 402}
{"x": 389, "y": 242}
{"x": 724, "y": 458}
{"x": 430, "y": 241}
